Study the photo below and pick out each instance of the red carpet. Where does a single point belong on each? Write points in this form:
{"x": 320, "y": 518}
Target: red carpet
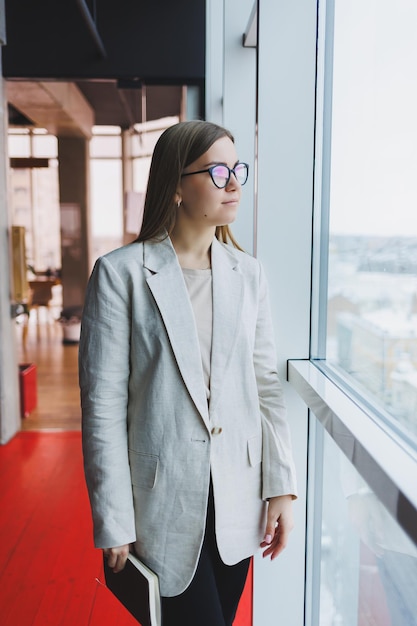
{"x": 49, "y": 569}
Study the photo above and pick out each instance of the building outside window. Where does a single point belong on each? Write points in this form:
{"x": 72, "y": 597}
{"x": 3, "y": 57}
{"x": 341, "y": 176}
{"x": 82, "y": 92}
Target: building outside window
{"x": 372, "y": 283}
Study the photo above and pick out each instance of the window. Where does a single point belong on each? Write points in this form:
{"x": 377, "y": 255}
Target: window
{"x": 119, "y": 174}
{"x": 369, "y": 325}
{"x": 106, "y": 190}
{"x": 368, "y": 567}
{"x": 362, "y": 388}
{"x": 34, "y": 197}
{"x": 143, "y": 142}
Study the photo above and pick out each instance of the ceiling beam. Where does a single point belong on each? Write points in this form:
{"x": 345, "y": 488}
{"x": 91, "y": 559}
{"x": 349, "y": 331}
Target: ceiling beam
{"x": 59, "y": 107}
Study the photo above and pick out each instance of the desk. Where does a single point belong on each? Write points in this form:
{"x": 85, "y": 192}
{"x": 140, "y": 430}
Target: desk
{"x": 41, "y": 290}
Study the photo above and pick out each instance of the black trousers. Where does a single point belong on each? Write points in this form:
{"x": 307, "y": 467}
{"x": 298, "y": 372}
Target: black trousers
{"x": 213, "y": 595}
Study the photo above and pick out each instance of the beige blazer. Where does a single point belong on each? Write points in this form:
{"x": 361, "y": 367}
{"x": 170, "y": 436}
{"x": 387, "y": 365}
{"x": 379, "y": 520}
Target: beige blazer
{"x": 150, "y": 440}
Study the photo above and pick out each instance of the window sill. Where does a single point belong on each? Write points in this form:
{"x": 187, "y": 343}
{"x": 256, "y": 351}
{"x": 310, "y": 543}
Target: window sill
{"x": 389, "y": 469}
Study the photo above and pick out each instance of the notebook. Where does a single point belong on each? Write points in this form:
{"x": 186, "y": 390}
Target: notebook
{"x": 137, "y": 588}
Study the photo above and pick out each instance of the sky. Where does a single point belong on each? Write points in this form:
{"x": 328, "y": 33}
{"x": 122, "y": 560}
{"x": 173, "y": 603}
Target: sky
{"x": 374, "y": 129}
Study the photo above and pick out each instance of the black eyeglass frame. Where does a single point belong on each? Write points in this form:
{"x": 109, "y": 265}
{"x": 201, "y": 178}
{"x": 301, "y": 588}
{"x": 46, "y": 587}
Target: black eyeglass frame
{"x": 231, "y": 170}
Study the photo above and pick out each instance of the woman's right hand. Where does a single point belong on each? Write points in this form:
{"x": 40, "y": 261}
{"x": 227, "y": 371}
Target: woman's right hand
{"x": 116, "y": 557}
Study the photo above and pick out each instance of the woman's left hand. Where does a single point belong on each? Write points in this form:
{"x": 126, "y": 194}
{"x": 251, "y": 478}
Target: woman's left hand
{"x": 278, "y": 526}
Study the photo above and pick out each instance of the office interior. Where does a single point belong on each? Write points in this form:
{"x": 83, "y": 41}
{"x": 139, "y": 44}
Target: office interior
{"x": 320, "y": 96}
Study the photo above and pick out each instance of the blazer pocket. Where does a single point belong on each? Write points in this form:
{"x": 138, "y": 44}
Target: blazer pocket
{"x": 144, "y": 469}
{"x": 255, "y": 450}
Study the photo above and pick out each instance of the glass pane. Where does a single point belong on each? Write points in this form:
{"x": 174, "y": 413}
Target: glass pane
{"x": 44, "y": 146}
{"x": 143, "y": 143}
{"x": 47, "y": 218}
{"x": 19, "y": 145}
{"x": 106, "y": 130}
{"x": 368, "y": 573}
{"x": 140, "y": 173}
{"x": 106, "y": 146}
{"x": 106, "y": 205}
{"x": 372, "y": 288}
{"x": 20, "y": 195}
{"x": 34, "y": 199}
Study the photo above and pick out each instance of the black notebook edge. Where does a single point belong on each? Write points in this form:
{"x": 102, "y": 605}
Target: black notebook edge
{"x": 137, "y": 588}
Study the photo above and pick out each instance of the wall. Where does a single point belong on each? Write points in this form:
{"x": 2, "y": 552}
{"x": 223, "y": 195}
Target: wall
{"x": 9, "y": 392}
{"x": 231, "y": 95}
{"x": 272, "y": 93}
{"x": 286, "y": 112}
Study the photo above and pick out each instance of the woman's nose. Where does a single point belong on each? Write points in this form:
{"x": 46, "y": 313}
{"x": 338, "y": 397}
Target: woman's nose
{"x": 233, "y": 182}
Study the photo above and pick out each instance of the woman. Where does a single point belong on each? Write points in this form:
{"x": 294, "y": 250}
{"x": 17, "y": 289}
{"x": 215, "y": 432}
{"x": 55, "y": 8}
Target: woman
{"x": 186, "y": 445}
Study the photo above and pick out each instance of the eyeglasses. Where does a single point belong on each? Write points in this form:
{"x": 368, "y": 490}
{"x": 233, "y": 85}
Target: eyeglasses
{"x": 220, "y": 174}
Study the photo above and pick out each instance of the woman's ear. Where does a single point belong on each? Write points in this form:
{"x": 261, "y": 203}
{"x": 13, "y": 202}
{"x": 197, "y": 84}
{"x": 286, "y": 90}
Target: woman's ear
{"x": 177, "y": 199}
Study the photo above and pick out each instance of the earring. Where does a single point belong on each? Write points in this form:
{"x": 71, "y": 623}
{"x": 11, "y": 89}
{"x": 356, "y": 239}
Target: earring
{"x": 179, "y": 204}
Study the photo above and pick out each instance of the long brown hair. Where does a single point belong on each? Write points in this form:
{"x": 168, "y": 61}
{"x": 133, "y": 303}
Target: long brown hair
{"x": 177, "y": 147}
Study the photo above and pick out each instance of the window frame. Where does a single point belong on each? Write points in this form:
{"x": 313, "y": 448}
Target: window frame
{"x": 382, "y": 454}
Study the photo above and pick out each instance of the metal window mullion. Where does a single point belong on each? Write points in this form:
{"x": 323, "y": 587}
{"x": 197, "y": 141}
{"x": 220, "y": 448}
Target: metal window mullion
{"x": 321, "y": 213}
{"x": 314, "y": 519}
{"x": 319, "y": 293}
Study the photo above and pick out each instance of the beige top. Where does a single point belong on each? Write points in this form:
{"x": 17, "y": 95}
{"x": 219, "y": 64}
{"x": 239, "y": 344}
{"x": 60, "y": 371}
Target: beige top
{"x": 199, "y": 285}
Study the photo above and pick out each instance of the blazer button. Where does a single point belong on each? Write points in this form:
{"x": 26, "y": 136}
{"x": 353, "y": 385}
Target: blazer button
{"x": 216, "y": 430}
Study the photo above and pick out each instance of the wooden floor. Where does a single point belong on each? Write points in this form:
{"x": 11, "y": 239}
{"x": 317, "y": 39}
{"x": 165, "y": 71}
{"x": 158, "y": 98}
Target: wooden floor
{"x": 58, "y": 405}
{"x": 50, "y": 573}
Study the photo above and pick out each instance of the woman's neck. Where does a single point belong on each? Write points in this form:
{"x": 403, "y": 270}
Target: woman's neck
{"x": 193, "y": 249}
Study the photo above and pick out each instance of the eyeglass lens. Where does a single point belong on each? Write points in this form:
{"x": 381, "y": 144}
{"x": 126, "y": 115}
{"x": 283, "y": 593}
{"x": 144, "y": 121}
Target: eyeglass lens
{"x": 221, "y": 174}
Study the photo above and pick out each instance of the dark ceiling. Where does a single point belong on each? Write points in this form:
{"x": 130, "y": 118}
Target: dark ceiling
{"x": 109, "y": 49}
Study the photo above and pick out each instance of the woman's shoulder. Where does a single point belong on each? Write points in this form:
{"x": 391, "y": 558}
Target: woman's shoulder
{"x": 124, "y": 254}
{"x": 124, "y": 262}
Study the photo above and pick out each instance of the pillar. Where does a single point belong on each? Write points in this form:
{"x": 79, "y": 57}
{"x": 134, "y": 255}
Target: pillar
{"x": 73, "y": 156}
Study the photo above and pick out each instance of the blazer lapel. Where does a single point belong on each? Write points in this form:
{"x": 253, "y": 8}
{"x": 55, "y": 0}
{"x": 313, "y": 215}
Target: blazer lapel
{"x": 227, "y": 310}
{"x": 168, "y": 288}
